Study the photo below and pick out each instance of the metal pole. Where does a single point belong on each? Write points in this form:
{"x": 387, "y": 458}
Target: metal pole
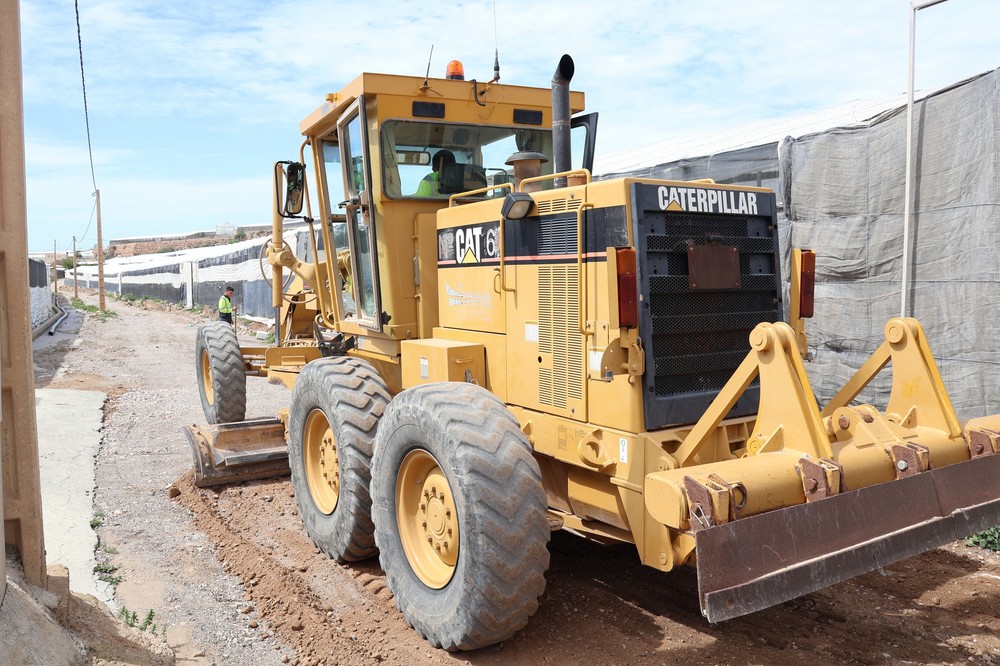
{"x": 76, "y": 279}
{"x": 100, "y": 256}
{"x": 904, "y": 301}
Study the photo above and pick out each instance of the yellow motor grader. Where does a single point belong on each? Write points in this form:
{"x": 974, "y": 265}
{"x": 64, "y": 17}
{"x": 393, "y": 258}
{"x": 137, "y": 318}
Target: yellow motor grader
{"x": 485, "y": 345}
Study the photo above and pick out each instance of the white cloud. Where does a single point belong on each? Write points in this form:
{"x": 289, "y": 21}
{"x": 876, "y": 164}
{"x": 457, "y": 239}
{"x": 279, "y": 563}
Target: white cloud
{"x": 220, "y": 87}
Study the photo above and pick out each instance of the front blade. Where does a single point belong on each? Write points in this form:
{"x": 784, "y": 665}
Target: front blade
{"x": 241, "y": 451}
{"x": 757, "y": 562}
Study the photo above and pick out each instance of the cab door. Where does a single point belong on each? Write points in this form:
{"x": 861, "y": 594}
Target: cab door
{"x": 353, "y": 132}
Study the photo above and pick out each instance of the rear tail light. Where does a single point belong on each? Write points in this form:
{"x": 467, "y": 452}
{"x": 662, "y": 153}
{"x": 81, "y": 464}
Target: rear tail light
{"x": 628, "y": 306}
{"x": 807, "y": 281}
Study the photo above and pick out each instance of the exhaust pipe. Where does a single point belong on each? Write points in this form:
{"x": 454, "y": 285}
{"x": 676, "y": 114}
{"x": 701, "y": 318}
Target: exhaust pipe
{"x": 561, "y": 147}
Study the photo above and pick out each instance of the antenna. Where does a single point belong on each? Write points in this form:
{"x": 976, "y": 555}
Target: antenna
{"x": 427, "y": 74}
{"x": 496, "y": 46}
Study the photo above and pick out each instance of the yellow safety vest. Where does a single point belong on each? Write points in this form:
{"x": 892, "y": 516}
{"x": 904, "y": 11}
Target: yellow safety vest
{"x": 225, "y": 305}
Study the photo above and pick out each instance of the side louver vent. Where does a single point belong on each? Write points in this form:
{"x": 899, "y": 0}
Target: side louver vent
{"x": 558, "y": 337}
{"x": 558, "y": 206}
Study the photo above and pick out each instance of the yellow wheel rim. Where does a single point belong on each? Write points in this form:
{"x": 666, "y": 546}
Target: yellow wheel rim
{"x": 206, "y": 377}
{"x": 321, "y": 462}
{"x": 427, "y": 519}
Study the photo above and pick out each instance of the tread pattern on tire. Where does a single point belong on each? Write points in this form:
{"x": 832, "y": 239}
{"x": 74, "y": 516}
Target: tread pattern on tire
{"x": 502, "y": 517}
{"x": 354, "y": 397}
{"x": 229, "y": 380}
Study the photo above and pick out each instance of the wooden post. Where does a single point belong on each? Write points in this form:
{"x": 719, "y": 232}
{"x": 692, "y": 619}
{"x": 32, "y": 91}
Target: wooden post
{"x": 22, "y": 496}
{"x": 100, "y": 256}
{"x": 76, "y": 278}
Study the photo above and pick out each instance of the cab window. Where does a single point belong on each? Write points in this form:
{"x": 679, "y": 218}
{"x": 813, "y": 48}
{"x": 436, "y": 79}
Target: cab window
{"x": 453, "y": 158}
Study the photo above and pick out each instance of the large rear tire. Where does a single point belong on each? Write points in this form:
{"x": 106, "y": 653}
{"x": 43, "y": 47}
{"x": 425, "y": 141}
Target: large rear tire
{"x": 222, "y": 381}
{"x": 336, "y": 406}
{"x": 460, "y": 515}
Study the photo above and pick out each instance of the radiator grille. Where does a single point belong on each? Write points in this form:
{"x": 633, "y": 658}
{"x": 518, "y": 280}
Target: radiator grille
{"x": 695, "y": 339}
{"x": 557, "y": 335}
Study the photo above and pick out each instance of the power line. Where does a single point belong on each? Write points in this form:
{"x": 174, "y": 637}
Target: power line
{"x": 92, "y": 211}
{"x": 83, "y": 80}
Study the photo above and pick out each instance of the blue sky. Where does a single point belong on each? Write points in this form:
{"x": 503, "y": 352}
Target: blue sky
{"x": 191, "y": 101}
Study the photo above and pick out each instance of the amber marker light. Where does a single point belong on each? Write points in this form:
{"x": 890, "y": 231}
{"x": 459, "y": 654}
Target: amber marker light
{"x": 807, "y": 293}
{"x": 628, "y": 306}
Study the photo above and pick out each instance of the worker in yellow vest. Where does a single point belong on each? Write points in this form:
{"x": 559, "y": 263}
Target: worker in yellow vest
{"x": 226, "y": 307}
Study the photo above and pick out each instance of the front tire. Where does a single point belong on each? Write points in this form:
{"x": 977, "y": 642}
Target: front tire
{"x": 460, "y": 515}
{"x": 222, "y": 380}
{"x": 336, "y": 406}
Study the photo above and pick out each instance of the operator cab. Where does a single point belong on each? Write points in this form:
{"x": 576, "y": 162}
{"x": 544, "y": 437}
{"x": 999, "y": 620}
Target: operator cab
{"x": 375, "y": 141}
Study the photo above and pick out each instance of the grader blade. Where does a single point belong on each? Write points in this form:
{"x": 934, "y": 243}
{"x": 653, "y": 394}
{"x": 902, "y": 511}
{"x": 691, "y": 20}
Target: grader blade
{"x": 241, "y": 451}
{"x": 757, "y": 562}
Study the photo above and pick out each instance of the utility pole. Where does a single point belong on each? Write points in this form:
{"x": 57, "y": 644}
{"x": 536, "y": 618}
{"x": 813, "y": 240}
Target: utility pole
{"x": 55, "y": 270}
{"x": 100, "y": 255}
{"x": 76, "y": 279}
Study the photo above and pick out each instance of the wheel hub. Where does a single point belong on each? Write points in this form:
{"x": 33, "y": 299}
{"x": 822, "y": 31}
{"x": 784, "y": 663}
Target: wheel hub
{"x": 427, "y": 519}
{"x": 322, "y": 461}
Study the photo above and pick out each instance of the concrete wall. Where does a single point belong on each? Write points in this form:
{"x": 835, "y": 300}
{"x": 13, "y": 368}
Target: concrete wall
{"x": 40, "y": 292}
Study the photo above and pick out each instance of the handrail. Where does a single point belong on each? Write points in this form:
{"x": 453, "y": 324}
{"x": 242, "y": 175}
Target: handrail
{"x": 552, "y": 176}
{"x": 481, "y": 190}
{"x": 581, "y": 285}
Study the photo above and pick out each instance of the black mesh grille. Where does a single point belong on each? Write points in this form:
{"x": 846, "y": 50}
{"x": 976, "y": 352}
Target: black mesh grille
{"x": 695, "y": 339}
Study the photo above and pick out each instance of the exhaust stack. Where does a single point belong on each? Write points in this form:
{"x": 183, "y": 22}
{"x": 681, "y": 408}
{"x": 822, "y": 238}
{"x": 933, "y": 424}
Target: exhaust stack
{"x": 561, "y": 147}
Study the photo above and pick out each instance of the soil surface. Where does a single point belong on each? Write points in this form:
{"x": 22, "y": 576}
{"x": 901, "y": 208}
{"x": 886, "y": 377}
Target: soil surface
{"x": 234, "y": 578}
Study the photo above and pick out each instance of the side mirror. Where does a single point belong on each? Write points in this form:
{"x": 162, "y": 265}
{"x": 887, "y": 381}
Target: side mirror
{"x": 295, "y": 177}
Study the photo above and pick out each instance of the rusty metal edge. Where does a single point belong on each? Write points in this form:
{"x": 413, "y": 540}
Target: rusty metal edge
{"x": 930, "y": 502}
{"x": 206, "y": 474}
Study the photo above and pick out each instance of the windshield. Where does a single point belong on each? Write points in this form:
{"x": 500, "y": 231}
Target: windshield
{"x": 437, "y": 160}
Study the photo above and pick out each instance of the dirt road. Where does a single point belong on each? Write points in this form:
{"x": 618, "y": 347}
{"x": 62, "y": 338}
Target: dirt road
{"x": 235, "y": 579}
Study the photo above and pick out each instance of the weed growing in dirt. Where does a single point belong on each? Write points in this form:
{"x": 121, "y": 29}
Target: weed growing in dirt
{"x": 97, "y": 519}
{"x": 80, "y": 305}
{"x": 104, "y": 548}
{"x": 106, "y": 573}
{"x": 131, "y": 619}
{"x": 101, "y": 315}
{"x": 989, "y": 539}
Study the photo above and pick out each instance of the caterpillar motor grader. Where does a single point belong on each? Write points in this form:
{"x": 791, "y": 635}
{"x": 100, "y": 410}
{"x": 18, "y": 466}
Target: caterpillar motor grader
{"x": 527, "y": 350}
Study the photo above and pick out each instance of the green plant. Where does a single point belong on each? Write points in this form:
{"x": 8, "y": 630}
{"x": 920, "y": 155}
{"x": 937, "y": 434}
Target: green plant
{"x": 97, "y": 519}
{"x": 101, "y": 315}
{"x": 988, "y": 539}
{"x": 106, "y": 572}
{"x": 131, "y": 619}
{"x": 80, "y": 305}
{"x": 128, "y": 298}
